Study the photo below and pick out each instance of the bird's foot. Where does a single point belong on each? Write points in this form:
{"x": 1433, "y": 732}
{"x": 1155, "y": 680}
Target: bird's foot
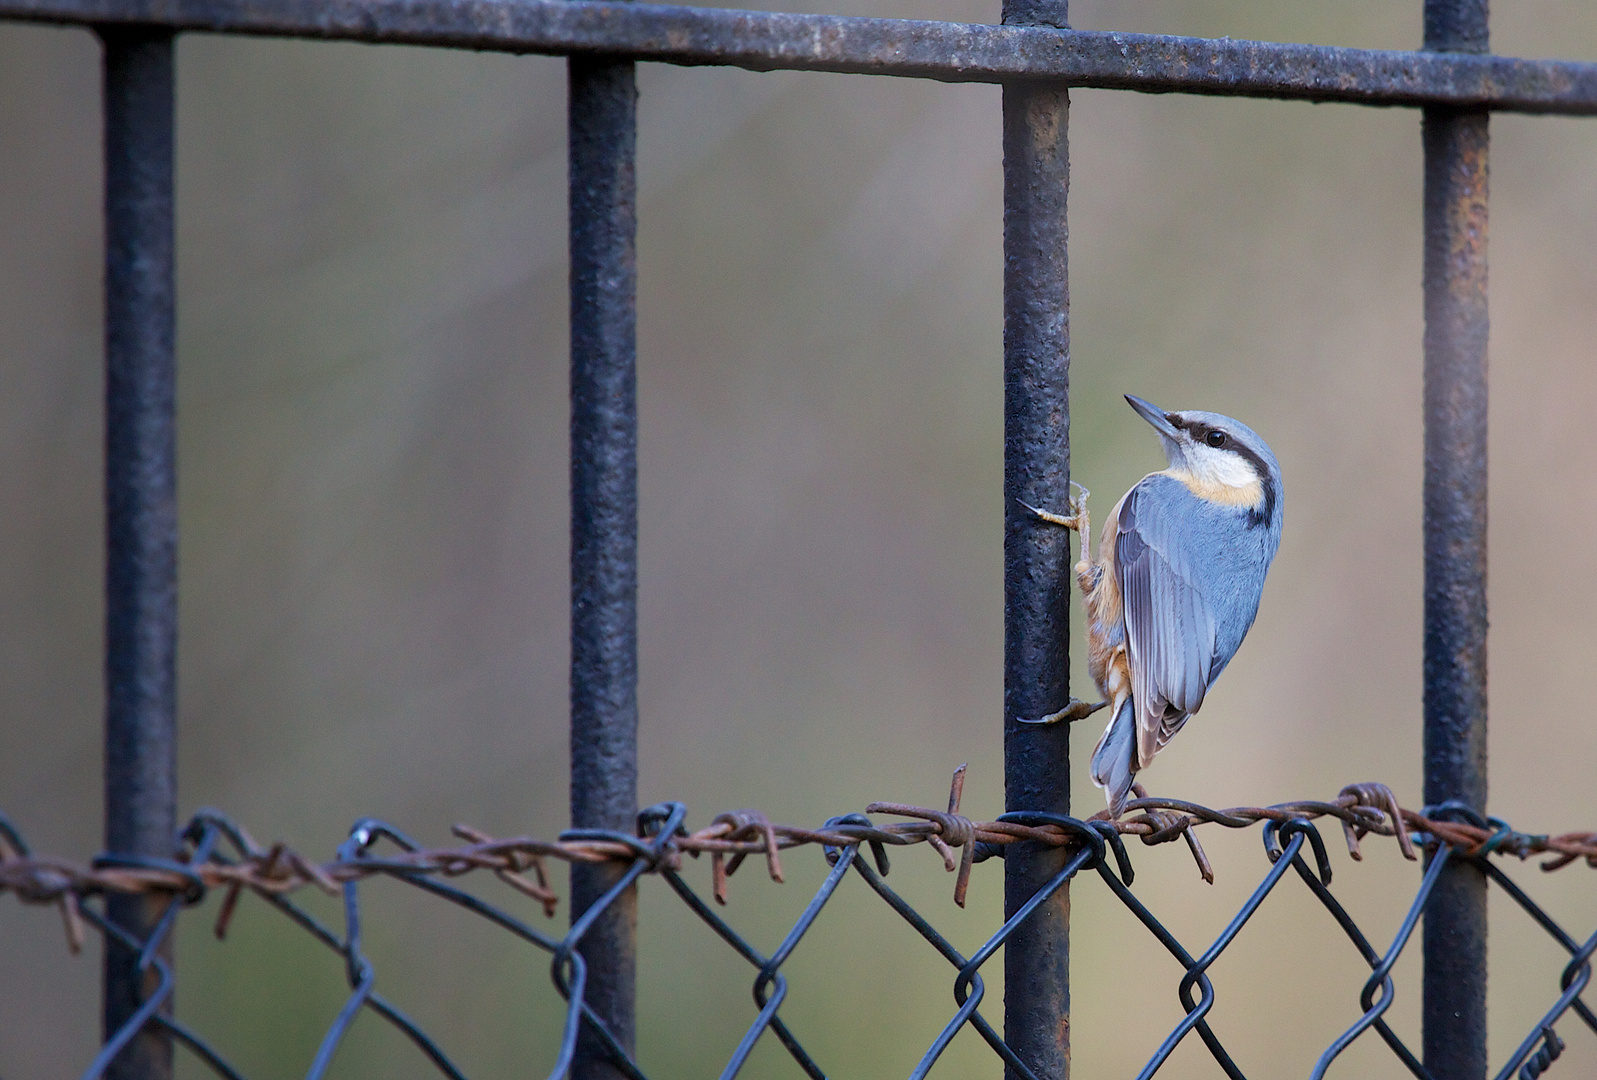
{"x": 1075, "y": 709}
{"x": 1077, "y": 518}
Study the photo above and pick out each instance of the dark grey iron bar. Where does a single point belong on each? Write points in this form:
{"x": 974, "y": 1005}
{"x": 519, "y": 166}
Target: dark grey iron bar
{"x": 953, "y": 52}
{"x": 1036, "y": 555}
{"x": 602, "y": 129}
{"x": 1454, "y": 1008}
{"x": 140, "y": 510}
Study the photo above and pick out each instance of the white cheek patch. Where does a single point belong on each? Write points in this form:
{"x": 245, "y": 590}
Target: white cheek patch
{"x": 1219, "y": 468}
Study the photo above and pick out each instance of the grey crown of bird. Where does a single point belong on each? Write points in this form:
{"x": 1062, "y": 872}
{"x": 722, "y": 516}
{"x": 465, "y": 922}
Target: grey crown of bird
{"x": 1176, "y": 584}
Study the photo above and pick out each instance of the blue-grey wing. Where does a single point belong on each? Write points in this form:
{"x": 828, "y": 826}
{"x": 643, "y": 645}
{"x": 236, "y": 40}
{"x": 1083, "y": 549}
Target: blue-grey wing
{"x": 1190, "y": 576}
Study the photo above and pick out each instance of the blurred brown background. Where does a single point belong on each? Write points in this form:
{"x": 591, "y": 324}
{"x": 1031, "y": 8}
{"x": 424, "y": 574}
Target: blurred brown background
{"x": 373, "y": 471}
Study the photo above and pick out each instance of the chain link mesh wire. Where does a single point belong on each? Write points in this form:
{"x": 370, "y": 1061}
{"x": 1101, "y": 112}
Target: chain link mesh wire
{"x": 219, "y": 854}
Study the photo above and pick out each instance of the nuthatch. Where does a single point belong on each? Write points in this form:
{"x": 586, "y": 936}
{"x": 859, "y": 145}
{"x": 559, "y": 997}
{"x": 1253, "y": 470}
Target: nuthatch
{"x": 1176, "y": 585}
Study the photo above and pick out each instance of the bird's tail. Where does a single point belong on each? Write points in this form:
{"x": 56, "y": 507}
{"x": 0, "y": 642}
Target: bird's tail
{"x": 1113, "y": 762}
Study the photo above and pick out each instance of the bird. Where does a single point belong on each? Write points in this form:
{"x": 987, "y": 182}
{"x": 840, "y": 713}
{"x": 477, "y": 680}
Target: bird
{"x": 1175, "y": 586}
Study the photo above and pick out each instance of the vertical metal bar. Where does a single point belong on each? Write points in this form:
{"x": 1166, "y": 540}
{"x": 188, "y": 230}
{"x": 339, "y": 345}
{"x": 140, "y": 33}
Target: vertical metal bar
{"x": 140, "y": 506}
{"x": 1036, "y": 556}
{"x": 1454, "y": 1010}
{"x": 602, "y": 128}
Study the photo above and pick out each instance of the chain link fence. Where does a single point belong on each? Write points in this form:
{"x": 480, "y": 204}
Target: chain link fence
{"x": 219, "y": 855}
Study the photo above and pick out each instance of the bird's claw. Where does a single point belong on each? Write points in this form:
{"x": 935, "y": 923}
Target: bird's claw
{"x": 1075, "y": 709}
{"x": 1078, "y": 510}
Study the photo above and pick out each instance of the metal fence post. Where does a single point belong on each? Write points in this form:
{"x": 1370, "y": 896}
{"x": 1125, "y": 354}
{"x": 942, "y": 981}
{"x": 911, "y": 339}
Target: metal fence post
{"x": 1454, "y": 1011}
{"x": 602, "y": 129}
{"x": 1036, "y": 556}
{"x": 141, "y": 508}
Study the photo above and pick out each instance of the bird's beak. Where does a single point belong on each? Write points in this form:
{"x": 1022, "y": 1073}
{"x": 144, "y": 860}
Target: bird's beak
{"x": 1153, "y": 414}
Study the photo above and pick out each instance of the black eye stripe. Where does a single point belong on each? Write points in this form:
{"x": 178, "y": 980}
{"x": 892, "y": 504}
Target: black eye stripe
{"x": 1261, "y": 515}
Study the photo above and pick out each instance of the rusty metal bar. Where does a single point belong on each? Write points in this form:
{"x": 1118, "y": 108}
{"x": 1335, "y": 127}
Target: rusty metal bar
{"x": 140, "y": 511}
{"x": 602, "y": 129}
{"x": 953, "y": 52}
{"x": 1036, "y": 555}
{"x": 1455, "y": 140}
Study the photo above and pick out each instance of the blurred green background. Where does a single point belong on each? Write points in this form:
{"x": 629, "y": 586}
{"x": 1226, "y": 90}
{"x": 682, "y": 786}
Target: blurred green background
{"x": 373, "y": 471}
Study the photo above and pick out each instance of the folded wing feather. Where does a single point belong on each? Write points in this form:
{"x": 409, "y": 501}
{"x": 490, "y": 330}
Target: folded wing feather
{"x": 1169, "y": 626}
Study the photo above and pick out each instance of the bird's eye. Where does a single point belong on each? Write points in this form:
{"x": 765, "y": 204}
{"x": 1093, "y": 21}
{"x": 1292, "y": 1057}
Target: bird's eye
{"x": 1215, "y": 439}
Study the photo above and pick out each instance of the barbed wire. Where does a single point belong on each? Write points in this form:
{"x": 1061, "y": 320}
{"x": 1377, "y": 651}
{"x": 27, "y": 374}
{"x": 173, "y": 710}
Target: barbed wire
{"x": 1363, "y": 809}
{"x": 1449, "y": 831}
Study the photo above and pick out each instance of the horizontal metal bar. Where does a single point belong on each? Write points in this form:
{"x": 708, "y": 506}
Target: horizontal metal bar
{"x": 951, "y": 52}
